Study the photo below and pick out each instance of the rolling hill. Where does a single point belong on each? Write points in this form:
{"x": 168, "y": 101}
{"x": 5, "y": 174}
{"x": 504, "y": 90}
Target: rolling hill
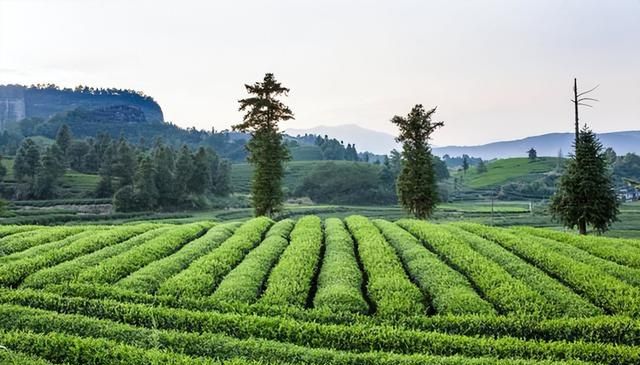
{"x": 546, "y": 145}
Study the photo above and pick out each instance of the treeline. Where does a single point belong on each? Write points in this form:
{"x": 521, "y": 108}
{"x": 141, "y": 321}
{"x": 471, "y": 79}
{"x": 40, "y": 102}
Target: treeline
{"x": 362, "y": 184}
{"x": 136, "y": 176}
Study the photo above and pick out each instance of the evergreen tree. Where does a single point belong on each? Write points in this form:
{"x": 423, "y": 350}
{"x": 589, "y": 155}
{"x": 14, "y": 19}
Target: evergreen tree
{"x": 145, "y": 190}
{"x": 417, "y": 189}
{"x": 63, "y": 140}
{"x": 200, "y": 181}
{"x": 105, "y": 185}
{"x": 184, "y": 170}
{"x": 49, "y": 173}
{"x": 267, "y": 153}
{"x": 586, "y": 195}
{"x": 164, "y": 165}
{"x": 27, "y": 161}
{"x": 91, "y": 160}
{"x": 465, "y": 163}
{"x": 481, "y": 167}
{"x": 3, "y": 170}
{"x": 76, "y": 155}
{"x": 220, "y": 175}
{"x": 533, "y": 154}
{"x": 124, "y": 164}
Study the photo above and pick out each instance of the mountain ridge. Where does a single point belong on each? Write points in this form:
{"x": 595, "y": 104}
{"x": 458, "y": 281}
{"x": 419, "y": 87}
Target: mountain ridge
{"x": 548, "y": 144}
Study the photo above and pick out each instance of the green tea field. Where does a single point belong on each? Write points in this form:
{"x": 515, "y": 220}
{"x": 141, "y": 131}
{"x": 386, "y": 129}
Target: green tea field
{"x": 355, "y": 290}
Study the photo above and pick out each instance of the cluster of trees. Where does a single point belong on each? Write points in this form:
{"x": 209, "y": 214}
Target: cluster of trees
{"x": 625, "y": 166}
{"x": 38, "y": 174}
{"x": 332, "y": 149}
{"x": 137, "y": 176}
{"x": 163, "y": 178}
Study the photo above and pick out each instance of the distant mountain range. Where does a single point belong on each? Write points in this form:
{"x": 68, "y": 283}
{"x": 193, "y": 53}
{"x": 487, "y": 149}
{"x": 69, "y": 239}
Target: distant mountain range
{"x": 546, "y": 144}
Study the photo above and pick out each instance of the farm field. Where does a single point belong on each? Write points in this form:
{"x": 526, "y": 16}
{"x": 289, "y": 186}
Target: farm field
{"x": 316, "y": 290}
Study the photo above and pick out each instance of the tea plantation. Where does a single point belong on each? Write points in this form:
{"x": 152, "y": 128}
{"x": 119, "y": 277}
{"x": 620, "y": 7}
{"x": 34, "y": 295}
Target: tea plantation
{"x": 312, "y": 291}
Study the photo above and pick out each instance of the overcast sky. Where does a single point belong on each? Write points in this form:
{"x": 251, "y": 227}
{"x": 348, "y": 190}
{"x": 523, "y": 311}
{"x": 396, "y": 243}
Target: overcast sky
{"x": 495, "y": 69}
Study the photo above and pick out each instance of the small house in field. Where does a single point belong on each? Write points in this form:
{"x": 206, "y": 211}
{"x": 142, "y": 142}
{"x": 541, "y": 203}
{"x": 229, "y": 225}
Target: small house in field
{"x": 628, "y": 194}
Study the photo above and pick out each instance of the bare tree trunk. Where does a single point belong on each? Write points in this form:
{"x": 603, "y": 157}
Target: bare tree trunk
{"x": 582, "y": 226}
{"x": 575, "y": 103}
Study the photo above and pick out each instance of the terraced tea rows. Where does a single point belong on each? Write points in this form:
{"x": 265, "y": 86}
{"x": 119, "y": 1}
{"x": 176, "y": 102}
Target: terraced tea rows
{"x": 357, "y": 291}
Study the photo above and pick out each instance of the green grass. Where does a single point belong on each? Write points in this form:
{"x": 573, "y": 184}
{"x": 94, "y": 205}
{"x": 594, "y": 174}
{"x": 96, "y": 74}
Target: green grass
{"x": 507, "y": 170}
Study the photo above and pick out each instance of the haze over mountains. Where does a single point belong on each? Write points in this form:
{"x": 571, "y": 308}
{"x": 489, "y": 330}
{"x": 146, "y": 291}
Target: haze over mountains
{"x": 546, "y": 145}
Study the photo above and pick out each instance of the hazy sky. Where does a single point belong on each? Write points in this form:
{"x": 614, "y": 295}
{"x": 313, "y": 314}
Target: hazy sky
{"x": 495, "y": 69}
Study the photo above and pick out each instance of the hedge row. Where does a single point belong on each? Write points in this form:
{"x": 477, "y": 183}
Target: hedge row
{"x": 508, "y": 294}
{"x": 389, "y": 287}
{"x": 69, "y": 349}
{"x": 203, "y": 275}
{"x": 424, "y": 346}
{"x": 51, "y": 246}
{"x": 627, "y": 274}
{"x": 14, "y": 272}
{"x": 69, "y": 270}
{"x": 8, "y": 230}
{"x": 340, "y": 280}
{"x": 25, "y": 240}
{"x": 450, "y": 292}
{"x": 149, "y": 278}
{"x": 16, "y": 358}
{"x": 619, "y": 251}
{"x": 566, "y": 301}
{"x": 604, "y": 329}
{"x": 116, "y": 267}
{"x": 291, "y": 279}
{"x": 601, "y": 288}
{"x": 244, "y": 283}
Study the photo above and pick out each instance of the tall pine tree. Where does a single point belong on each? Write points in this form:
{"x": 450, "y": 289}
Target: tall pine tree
{"x": 586, "y": 194}
{"x": 267, "y": 152}
{"x": 417, "y": 189}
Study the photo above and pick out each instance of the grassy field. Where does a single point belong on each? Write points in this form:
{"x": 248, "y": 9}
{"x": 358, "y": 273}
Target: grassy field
{"x": 507, "y": 170}
{"x": 316, "y": 291}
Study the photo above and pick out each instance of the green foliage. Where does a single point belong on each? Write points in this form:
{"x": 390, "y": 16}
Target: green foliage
{"x": 267, "y": 152}
{"x": 388, "y": 286}
{"x": 417, "y": 189}
{"x": 70, "y": 270}
{"x": 508, "y": 294}
{"x": 117, "y": 267}
{"x": 586, "y": 195}
{"x": 301, "y": 257}
{"x": 23, "y": 240}
{"x": 245, "y": 283}
{"x": 15, "y": 271}
{"x": 481, "y": 168}
{"x": 450, "y": 292}
{"x": 624, "y": 253}
{"x": 27, "y": 161}
{"x": 149, "y": 278}
{"x": 353, "y": 183}
{"x": 565, "y": 301}
{"x": 601, "y": 288}
{"x": 204, "y": 274}
{"x": 533, "y": 154}
{"x": 340, "y": 280}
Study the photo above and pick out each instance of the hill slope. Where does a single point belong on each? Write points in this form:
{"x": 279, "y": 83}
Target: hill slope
{"x": 545, "y": 145}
